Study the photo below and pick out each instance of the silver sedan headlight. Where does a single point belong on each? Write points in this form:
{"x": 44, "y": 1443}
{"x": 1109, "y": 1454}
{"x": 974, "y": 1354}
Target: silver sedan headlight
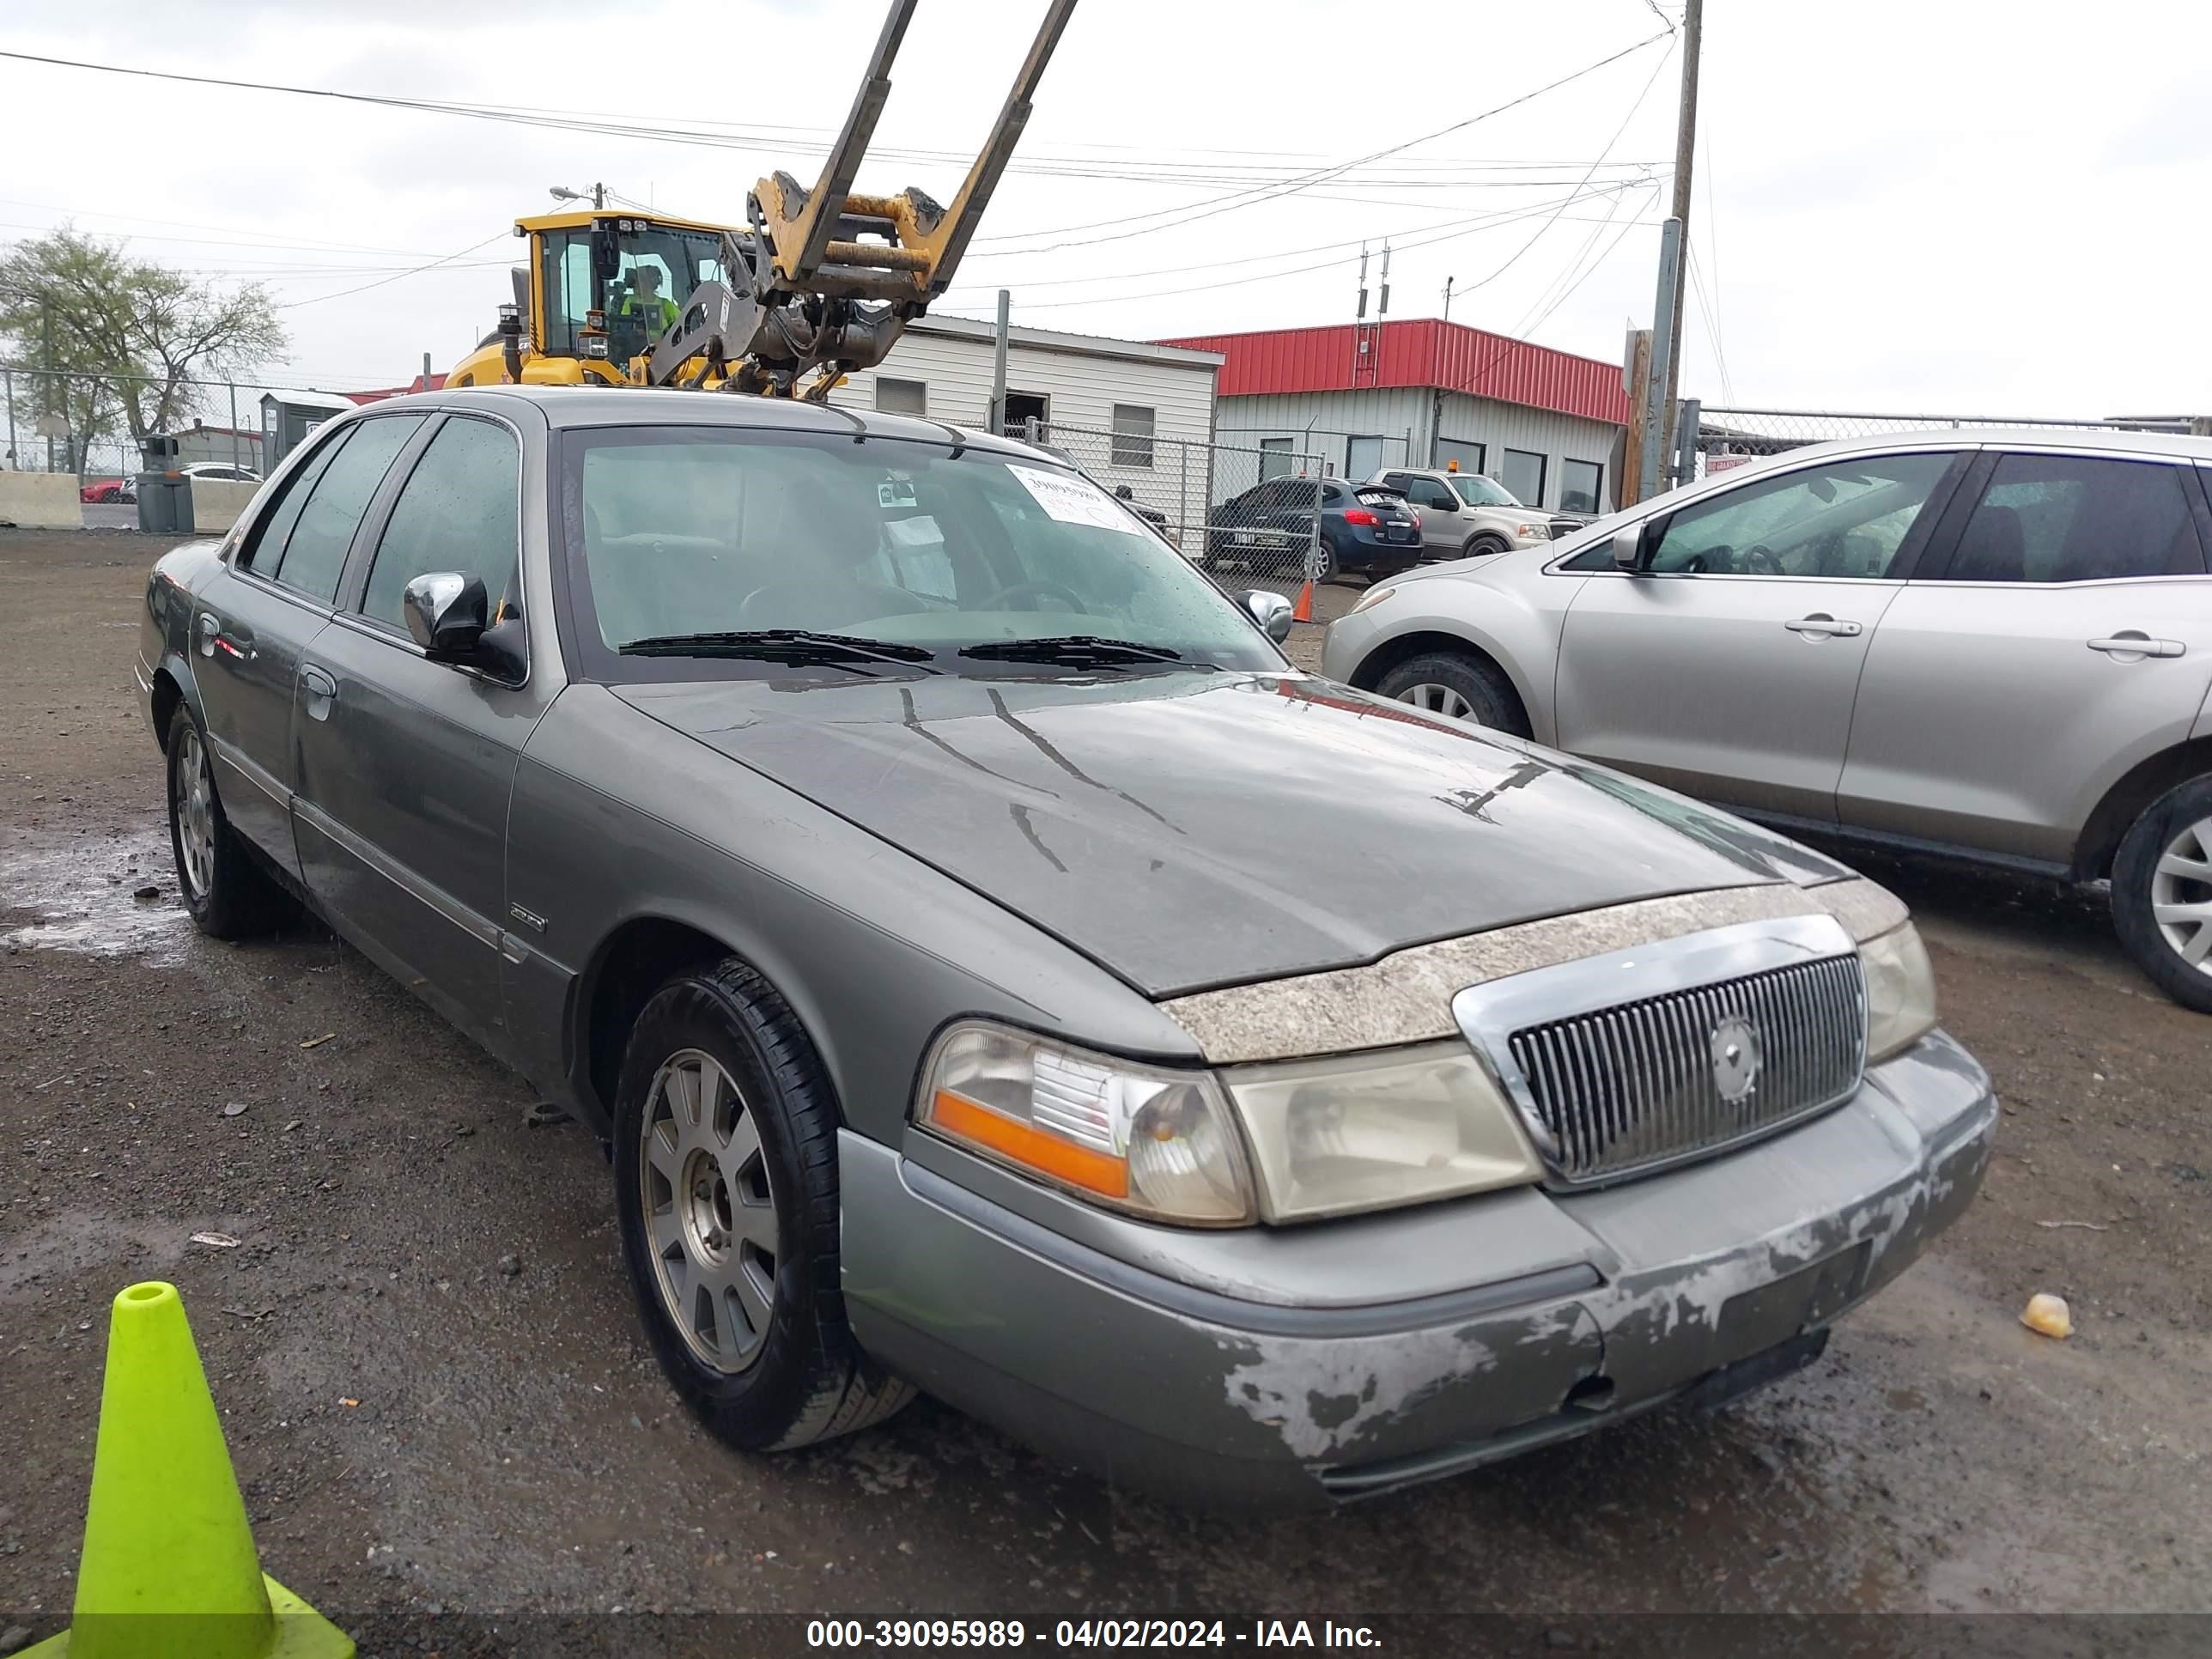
{"x": 1372, "y": 1131}
{"x": 1900, "y": 988}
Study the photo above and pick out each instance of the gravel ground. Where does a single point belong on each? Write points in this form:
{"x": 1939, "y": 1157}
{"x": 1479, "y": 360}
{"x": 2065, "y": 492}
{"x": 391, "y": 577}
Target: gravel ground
{"x": 409, "y": 1244}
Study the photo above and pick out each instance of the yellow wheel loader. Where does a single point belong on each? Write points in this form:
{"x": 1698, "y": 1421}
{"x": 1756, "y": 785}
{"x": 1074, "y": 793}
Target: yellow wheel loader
{"x": 818, "y": 282}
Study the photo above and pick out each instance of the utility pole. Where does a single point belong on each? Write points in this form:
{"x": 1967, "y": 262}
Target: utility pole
{"x": 1685, "y": 134}
{"x": 1652, "y": 469}
{"x": 47, "y": 316}
{"x": 1000, "y": 339}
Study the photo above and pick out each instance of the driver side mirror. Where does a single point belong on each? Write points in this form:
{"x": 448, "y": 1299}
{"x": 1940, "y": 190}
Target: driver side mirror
{"x": 1628, "y": 548}
{"x": 447, "y": 613}
{"x": 1271, "y": 611}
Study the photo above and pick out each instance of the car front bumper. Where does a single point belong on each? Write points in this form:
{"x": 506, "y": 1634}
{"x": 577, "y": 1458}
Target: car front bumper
{"x": 1218, "y": 1382}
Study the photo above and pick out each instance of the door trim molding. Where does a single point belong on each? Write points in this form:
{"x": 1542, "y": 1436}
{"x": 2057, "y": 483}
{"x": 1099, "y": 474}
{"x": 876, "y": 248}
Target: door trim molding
{"x": 251, "y": 771}
{"x": 478, "y": 928}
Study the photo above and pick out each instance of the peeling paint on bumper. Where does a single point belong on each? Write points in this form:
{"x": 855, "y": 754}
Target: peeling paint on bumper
{"x": 1158, "y": 1382}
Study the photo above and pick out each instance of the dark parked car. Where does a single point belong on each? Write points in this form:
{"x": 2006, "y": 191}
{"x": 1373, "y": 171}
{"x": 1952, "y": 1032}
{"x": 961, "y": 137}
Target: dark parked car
{"x": 933, "y": 889}
{"x": 1368, "y": 528}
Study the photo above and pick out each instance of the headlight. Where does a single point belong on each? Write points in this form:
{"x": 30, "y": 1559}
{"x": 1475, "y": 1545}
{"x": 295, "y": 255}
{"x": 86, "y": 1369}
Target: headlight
{"x": 1364, "y": 1132}
{"x": 1900, "y": 991}
{"x": 1373, "y": 596}
{"x": 1157, "y": 1142}
{"x": 1537, "y": 532}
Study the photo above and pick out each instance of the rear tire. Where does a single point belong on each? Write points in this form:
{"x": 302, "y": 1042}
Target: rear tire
{"x": 1461, "y": 686}
{"x": 2162, "y": 893}
{"x": 1330, "y": 568}
{"x": 729, "y": 1215}
{"x": 227, "y": 894}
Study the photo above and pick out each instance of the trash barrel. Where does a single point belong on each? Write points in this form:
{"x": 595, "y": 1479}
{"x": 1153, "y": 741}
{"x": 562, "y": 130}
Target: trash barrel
{"x": 165, "y": 503}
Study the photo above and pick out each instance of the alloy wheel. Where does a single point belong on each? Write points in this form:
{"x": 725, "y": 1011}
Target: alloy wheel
{"x": 2181, "y": 895}
{"x": 195, "y": 809}
{"x": 1437, "y": 699}
{"x": 709, "y": 1211}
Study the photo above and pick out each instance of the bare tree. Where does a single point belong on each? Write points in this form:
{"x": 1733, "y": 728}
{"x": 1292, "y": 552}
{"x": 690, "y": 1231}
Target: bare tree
{"x": 122, "y": 338}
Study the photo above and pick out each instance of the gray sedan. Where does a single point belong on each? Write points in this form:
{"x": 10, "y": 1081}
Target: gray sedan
{"x": 936, "y": 893}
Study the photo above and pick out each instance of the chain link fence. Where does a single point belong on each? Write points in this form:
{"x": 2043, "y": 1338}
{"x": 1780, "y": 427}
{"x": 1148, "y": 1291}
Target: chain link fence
{"x": 1250, "y": 513}
{"x": 1728, "y": 438}
{"x": 70, "y": 422}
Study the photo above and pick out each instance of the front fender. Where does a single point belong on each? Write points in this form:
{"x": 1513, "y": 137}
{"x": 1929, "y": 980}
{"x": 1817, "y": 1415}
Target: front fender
{"x": 1495, "y": 619}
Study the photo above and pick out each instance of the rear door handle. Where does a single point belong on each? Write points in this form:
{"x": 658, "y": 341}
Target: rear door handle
{"x": 2130, "y": 643}
{"x": 320, "y": 689}
{"x": 1820, "y": 625}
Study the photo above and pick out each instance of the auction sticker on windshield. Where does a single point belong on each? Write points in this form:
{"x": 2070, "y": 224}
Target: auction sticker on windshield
{"x": 1074, "y": 500}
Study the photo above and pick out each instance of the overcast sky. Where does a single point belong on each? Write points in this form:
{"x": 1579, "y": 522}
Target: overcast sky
{"x": 1970, "y": 206}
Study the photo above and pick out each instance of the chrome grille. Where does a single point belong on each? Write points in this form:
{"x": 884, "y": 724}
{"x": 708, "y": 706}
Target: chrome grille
{"x": 1622, "y": 1089}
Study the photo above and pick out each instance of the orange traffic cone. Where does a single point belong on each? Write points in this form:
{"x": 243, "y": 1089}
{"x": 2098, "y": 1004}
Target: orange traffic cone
{"x": 1302, "y": 610}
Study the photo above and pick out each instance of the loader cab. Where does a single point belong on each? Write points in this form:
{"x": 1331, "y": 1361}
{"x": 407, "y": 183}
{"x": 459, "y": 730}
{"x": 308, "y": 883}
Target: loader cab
{"x": 639, "y": 272}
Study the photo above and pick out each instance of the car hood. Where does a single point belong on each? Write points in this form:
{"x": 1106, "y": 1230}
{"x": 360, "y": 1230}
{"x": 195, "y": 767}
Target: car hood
{"x": 1188, "y": 830}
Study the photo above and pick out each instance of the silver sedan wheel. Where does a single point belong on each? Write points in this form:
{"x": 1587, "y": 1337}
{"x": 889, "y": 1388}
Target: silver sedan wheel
{"x": 194, "y": 806}
{"x": 2181, "y": 895}
{"x": 1437, "y": 699}
{"x": 710, "y": 1210}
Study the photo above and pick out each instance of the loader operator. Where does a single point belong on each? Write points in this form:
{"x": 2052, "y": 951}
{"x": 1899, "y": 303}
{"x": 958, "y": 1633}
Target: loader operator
{"x": 644, "y": 313}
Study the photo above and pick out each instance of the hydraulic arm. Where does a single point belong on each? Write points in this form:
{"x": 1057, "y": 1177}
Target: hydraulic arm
{"x": 826, "y": 280}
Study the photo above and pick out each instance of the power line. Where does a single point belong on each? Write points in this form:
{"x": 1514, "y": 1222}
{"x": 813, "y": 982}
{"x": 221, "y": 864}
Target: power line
{"x": 1324, "y": 175}
{"x": 414, "y": 271}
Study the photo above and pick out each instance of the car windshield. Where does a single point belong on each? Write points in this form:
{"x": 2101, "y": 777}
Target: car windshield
{"x": 721, "y": 536}
{"x": 1478, "y": 491}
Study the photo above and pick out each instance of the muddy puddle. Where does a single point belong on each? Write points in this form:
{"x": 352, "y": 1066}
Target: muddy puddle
{"x": 97, "y": 895}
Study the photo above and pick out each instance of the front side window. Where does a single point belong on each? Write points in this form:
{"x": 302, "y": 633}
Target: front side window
{"x": 2073, "y": 518}
{"x": 1522, "y": 472}
{"x": 1478, "y": 491}
{"x": 1132, "y": 435}
{"x": 1844, "y": 519}
{"x": 458, "y": 511}
{"x": 1427, "y": 492}
{"x": 317, "y": 533}
{"x": 683, "y": 532}
{"x": 1581, "y": 487}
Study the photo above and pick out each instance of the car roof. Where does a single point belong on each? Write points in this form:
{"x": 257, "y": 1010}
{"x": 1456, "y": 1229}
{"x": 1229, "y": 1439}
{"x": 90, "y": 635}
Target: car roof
{"x": 568, "y": 408}
{"x": 2176, "y": 444}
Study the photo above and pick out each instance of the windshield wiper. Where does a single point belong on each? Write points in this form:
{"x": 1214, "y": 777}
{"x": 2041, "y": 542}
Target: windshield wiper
{"x": 1074, "y": 651}
{"x": 801, "y": 648}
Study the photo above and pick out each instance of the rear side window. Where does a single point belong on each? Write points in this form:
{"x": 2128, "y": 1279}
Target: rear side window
{"x": 318, "y": 531}
{"x": 457, "y": 512}
{"x": 2074, "y": 519}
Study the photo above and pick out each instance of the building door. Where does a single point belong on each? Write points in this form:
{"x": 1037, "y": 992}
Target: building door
{"x": 1363, "y": 457}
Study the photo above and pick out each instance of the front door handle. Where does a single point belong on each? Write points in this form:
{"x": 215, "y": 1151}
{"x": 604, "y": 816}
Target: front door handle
{"x": 1821, "y": 626}
{"x": 2132, "y": 644}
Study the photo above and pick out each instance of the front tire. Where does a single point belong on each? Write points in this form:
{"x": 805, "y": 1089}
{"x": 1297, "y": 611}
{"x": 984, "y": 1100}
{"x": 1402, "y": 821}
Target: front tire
{"x": 228, "y": 895}
{"x": 725, "y": 1184}
{"x": 2162, "y": 893}
{"x": 1462, "y": 687}
{"x": 1483, "y": 547}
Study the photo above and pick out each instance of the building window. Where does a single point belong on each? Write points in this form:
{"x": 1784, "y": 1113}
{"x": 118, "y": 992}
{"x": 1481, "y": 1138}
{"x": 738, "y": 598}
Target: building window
{"x": 1362, "y": 457}
{"x": 1522, "y": 472}
{"x": 1132, "y": 435}
{"x": 1470, "y": 455}
{"x": 902, "y": 396}
{"x": 1581, "y": 487}
{"x": 1022, "y": 408}
{"x": 1274, "y": 458}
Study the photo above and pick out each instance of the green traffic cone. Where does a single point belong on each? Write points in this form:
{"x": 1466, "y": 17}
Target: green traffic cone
{"x": 168, "y": 1568}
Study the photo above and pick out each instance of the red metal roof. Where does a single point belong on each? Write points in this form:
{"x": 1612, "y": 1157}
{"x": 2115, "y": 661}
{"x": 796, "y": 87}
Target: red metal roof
{"x": 437, "y": 383}
{"x": 1419, "y": 352}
